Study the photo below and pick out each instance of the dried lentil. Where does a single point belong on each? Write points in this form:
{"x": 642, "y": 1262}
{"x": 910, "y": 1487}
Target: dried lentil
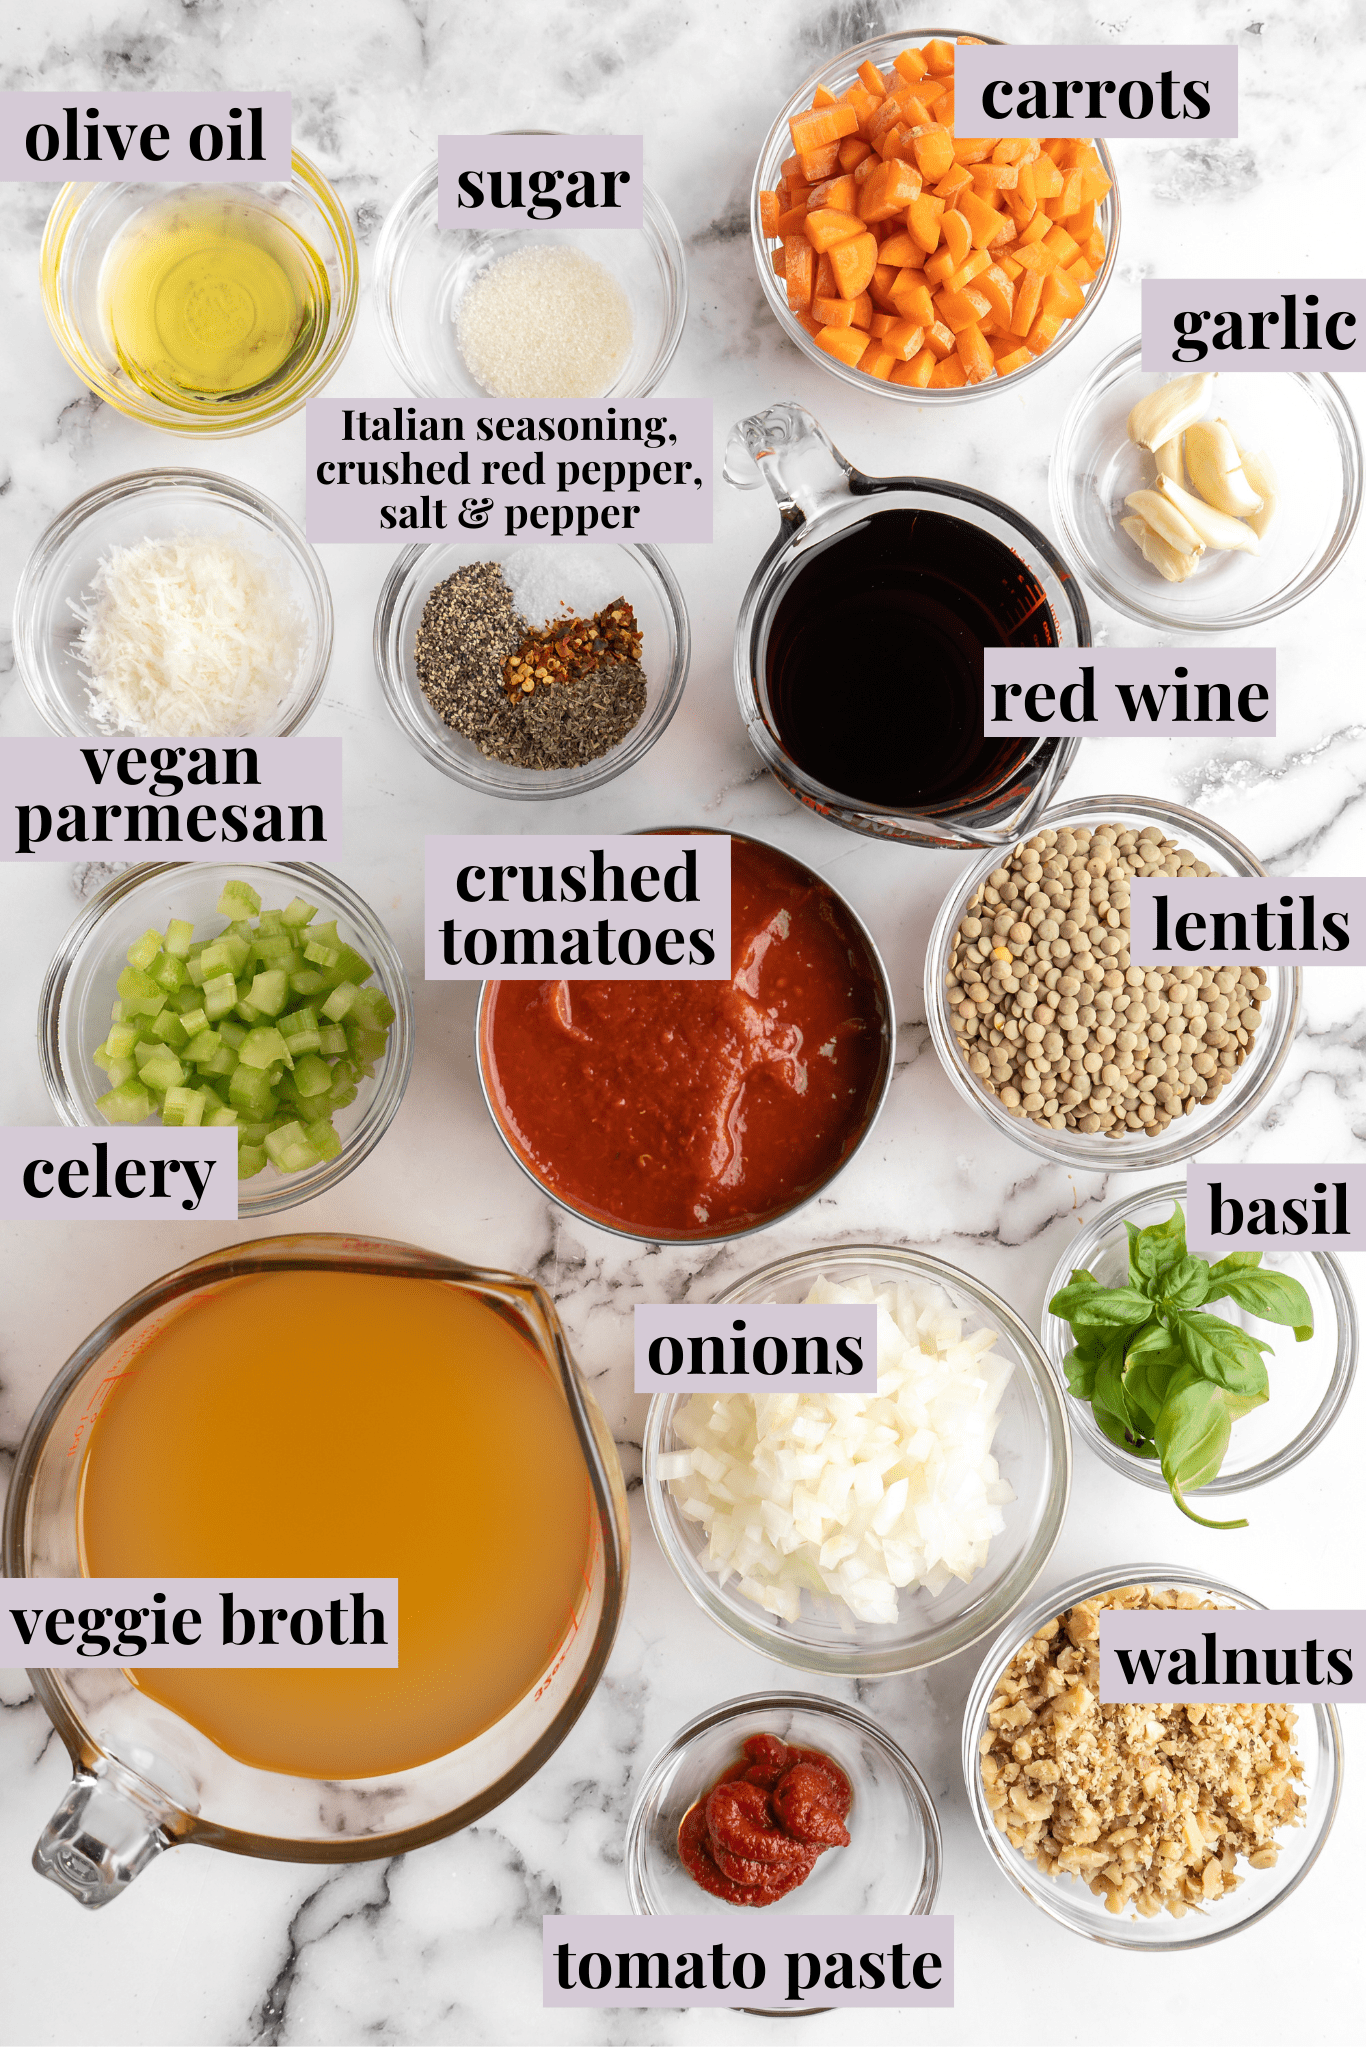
{"x": 1054, "y": 1020}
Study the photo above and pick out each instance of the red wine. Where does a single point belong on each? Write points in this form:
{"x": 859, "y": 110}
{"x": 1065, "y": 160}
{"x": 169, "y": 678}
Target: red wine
{"x": 875, "y": 659}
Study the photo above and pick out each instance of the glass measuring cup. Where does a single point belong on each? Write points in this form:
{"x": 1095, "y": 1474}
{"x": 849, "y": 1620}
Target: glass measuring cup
{"x": 823, "y": 499}
{"x": 144, "y": 1779}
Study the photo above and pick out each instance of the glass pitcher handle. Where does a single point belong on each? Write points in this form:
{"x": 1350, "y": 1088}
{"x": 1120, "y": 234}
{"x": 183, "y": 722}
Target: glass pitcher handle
{"x": 791, "y": 452}
{"x": 106, "y": 1831}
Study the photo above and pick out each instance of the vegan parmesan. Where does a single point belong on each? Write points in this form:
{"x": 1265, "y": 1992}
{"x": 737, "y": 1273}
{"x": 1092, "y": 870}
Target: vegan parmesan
{"x": 195, "y": 636}
{"x": 545, "y": 323}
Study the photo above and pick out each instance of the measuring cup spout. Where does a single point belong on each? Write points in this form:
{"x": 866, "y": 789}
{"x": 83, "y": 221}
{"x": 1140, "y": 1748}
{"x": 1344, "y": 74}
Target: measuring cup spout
{"x": 791, "y": 452}
{"x": 106, "y": 1831}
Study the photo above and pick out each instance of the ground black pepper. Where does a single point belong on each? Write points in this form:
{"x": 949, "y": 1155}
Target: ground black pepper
{"x": 470, "y": 627}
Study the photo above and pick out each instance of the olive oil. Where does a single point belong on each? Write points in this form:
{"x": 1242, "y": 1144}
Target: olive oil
{"x": 210, "y": 297}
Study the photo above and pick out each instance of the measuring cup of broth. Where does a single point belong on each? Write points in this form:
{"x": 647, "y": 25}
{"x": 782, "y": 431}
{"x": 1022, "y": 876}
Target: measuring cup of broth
{"x": 859, "y": 646}
{"x": 318, "y": 1406}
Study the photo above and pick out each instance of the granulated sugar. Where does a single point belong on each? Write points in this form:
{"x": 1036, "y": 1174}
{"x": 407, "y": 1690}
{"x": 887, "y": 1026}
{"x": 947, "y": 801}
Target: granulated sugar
{"x": 545, "y": 322}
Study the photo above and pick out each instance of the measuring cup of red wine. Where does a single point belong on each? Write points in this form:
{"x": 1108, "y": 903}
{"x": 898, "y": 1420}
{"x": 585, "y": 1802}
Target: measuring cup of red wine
{"x": 859, "y": 645}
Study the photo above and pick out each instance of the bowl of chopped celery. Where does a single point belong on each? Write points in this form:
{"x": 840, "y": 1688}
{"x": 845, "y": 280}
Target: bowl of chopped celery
{"x": 176, "y": 602}
{"x": 273, "y": 1001}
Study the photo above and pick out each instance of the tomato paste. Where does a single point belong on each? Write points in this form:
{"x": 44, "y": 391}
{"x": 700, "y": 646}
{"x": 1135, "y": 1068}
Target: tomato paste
{"x": 682, "y": 1109}
{"x": 756, "y": 1835}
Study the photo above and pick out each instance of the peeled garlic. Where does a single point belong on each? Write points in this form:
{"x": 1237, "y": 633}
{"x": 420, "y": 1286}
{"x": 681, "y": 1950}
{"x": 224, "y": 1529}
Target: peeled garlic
{"x": 1262, "y": 477}
{"x": 1216, "y": 529}
{"x": 1164, "y": 519}
{"x": 1168, "y": 459}
{"x": 1170, "y": 409}
{"x": 1167, "y": 560}
{"x": 1216, "y": 471}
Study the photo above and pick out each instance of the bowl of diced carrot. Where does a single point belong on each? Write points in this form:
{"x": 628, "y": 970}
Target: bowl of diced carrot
{"x": 914, "y": 261}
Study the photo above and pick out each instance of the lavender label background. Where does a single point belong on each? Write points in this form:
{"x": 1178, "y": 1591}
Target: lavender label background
{"x": 1343, "y": 895}
{"x": 785, "y": 1322}
{"x": 1344, "y": 1191}
{"x": 1260, "y": 1629}
{"x": 670, "y": 485}
{"x": 563, "y": 153}
{"x": 205, "y": 1596}
{"x": 977, "y": 65}
{"x": 448, "y": 856}
{"x": 1120, "y": 672}
{"x": 788, "y": 1944}
{"x": 48, "y": 774}
{"x": 1166, "y": 297}
{"x": 179, "y": 112}
{"x": 214, "y": 1151}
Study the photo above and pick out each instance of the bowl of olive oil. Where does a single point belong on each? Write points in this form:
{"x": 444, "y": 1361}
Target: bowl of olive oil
{"x": 202, "y": 309}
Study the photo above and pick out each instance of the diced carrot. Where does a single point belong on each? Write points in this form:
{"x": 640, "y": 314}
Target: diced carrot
{"x": 879, "y": 324}
{"x": 825, "y": 124}
{"x": 1062, "y": 295}
{"x": 823, "y": 285}
{"x": 1094, "y": 247}
{"x": 863, "y": 311}
{"x": 853, "y": 150}
{"x": 1016, "y": 360}
{"x": 824, "y": 227}
{"x": 790, "y": 168}
{"x": 1014, "y": 149}
{"x": 962, "y": 309}
{"x": 1028, "y": 292}
{"x": 779, "y": 262}
{"x": 940, "y": 267}
{"x": 904, "y": 338}
{"x": 956, "y": 233}
{"x": 943, "y": 111}
{"x": 966, "y": 272}
{"x": 1060, "y": 245}
{"x": 995, "y": 286}
{"x": 880, "y": 285}
{"x": 845, "y": 344}
{"x": 1020, "y": 208}
{"x": 800, "y": 272}
{"x": 923, "y": 223}
{"x": 820, "y": 163}
{"x": 854, "y": 262}
{"x": 1011, "y": 268}
{"x": 1043, "y": 333}
{"x": 1069, "y": 199}
{"x": 914, "y": 112}
{"x": 891, "y": 145}
{"x": 933, "y": 149}
{"x": 973, "y": 149}
{"x": 806, "y": 320}
{"x": 1047, "y": 177}
{"x": 918, "y": 371}
{"x": 877, "y": 361}
{"x": 974, "y": 353}
{"x": 840, "y": 192}
{"x": 914, "y": 301}
{"x": 832, "y": 312}
{"x": 911, "y": 65}
{"x": 1034, "y": 256}
{"x": 947, "y": 375}
{"x": 989, "y": 178}
{"x": 939, "y": 57}
{"x": 1081, "y": 271}
{"x": 1094, "y": 185}
{"x": 986, "y": 221}
{"x": 901, "y": 250}
{"x": 872, "y": 78}
{"x": 768, "y": 214}
{"x": 1035, "y": 229}
{"x": 792, "y": 220}
{"x": 886, "y": 115}
{"x": 940, "y": 340}
{"x": 887, "y": 191}
{"x": 957, "y": 178}
{"x": 931, "y": 91}
{"x": 821, "y": 98}
{"x": 1080, "y": 223}
{"x": 864, "y": 104}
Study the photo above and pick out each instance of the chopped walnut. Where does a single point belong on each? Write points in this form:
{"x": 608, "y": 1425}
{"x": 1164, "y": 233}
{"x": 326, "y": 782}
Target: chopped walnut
{"x": 1150, "y": 1805}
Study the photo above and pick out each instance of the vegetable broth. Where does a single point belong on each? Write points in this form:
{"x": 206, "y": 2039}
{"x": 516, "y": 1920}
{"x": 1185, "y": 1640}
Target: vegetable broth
{"x": 875, "y": 659}
{"x": 320, "y": 1424}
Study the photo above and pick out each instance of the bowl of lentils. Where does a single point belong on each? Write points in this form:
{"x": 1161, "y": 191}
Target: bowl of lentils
{"x": 531, "y": 671}
{"x": 1046, "y": 1027}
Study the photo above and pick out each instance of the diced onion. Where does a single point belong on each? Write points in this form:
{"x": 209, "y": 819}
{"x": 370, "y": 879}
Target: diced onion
{"x": 853, "y": 1498}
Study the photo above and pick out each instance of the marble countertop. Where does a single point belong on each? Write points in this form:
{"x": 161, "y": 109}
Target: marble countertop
{"x": 443, "y": 1945}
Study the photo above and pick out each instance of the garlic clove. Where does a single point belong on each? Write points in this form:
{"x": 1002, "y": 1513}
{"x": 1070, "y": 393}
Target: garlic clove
{"x": 1167, "y": 560}
{"x": 1167, "y": 456}
{"x": 1165, "y": 520}
{"x": 1216, "y": 529}
{"x": 1216, "y": 470}
{"x": 1170, "y": 409}
{"x": 1258, "y": 470}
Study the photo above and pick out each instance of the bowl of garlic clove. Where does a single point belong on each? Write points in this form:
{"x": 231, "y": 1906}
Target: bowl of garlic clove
{"x": 1204, "y": 502}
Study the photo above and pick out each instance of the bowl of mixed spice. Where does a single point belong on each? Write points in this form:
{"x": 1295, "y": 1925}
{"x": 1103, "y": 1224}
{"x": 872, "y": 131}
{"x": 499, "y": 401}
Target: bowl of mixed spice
{"x": 532, "y": 671}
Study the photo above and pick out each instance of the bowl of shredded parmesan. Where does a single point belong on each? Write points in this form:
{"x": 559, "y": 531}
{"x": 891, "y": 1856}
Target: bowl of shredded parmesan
{"x": 860, "y": 1534}
{"x": 173, "y": 602}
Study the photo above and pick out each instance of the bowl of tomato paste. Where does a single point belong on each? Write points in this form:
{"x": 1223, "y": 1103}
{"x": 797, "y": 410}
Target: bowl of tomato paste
{"x": 699, "y": 1110}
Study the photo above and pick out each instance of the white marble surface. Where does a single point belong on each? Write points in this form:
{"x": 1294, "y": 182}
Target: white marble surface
{"x": 443, "y": 1945}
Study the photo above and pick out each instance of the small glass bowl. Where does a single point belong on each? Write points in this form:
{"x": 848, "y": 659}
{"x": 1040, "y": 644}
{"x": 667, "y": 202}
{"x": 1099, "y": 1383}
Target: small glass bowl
{"x": 79, "y": 987}
{"x": 1304, "y": 423}
{"x": 877, "y": 1095}
{"x": 1073, "y": 1904}
{"x": 639, "y": 574}
{"x": 1032, "y": 1447}
{"x": 422, "y": 272}
{"x": 836, "y": 74}
{"x": 158, "y": 504}
{"x": 80, "y": 229}
{"x": 1135, "y": 1152}
{"x": 1309, "y": 1382}
{"x": 893, "y": 1860}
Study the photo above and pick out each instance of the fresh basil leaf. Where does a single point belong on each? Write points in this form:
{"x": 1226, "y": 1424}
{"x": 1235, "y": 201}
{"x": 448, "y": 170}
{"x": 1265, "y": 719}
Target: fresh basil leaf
{"x": 1193, "y": 1434}
{"x": 1239, "y": 1404}
{"x": 1158, "y": 1248}
{"x": 1154, "y": 1341}
{"x": 1132, "y": 1232}
{"x": 1235, "y": 1262}
{"x": 1110, "y": 1308}
{"x": 1145, "y": 1387}
{"x": 1077, "y": 1289}
{"x": 1108, "y": 1391}
{"x": 1222, "y": 1353}
{"x": 1080, "y": 1367}
{"x": 1275, "y": 1297}
{"x": 1186, "y": 1284}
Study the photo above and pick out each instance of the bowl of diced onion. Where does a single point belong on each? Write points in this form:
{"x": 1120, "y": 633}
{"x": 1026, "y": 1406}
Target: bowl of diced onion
{"x": 859, "y": 1534}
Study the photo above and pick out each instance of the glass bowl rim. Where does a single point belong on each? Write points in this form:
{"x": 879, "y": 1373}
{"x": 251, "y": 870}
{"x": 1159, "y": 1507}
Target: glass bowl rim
{"x": 768, "y": 282}
{"x": 137, "y": 483}
{"x": 1044, "y": 1141}
{"x": 402, "y": 697}
{"x": 320, "y": 190}
{"x": 390, "y": 1084}
{"x": 1319, "y": 386}
{"x": 403, "y": 219}
{"x": 761, "y": 1631}
{"x": 1053, "y": 1337}
{"x": 1019, "y": 1872}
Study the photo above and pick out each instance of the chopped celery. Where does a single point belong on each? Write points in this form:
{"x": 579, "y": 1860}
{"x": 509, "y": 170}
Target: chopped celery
{"x": 203, "y": 1046}
{"x": 194, "y": 1020}
{"x": 224, "y": 1062}
{"x": 169, "y": 1029}
{"x": 130, "y": 1103}
{"x": 178, "y": 939}
{"x": 269, "y": 924}
{"x": 220, "y": 994}
{"x": 297, "y": 912}
{"x": 263, "y": 1046}
{"x": 307, "y": 982}
{"x": 238, "y": 899}
{"x": 250, "y": 1160}
{"x": 222, "y": 1113}
{"x": 331, "y": 1039}
{"x": 340, "y": 1001}
{"x": 312, "y": 1076}
{"x": 232, "y": 1034}
{"x": 252, "y": 1134}
{"x": 251, "y": 1094}
{"x": 289, "y": 1149}
{"x": 227, "y": 955}
{"x": 350, "y": 967}
{"x": 194, "y": 970}
{"x": 162, "y": 1071}
{"x": 323, "y": 1138}
{"x": 371, "y": 1009}
{"x": 269, "y": 992}
{"x": 145, "y": 951}
{"x": 322, "y": 956}
{"x": 121, "y": 1040}
{"x": 183, "y": 1106}
{"x": 168, "y": 973}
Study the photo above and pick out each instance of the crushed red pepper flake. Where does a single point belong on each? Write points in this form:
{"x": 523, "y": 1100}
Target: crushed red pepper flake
{"x": 566, "y": 650}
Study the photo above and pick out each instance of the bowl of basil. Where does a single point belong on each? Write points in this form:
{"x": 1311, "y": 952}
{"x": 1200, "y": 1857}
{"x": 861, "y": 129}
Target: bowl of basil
{"x": 1193, "y": 1378}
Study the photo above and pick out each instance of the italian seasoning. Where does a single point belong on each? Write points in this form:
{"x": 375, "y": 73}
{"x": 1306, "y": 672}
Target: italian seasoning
{"x": 557, "y": 696}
